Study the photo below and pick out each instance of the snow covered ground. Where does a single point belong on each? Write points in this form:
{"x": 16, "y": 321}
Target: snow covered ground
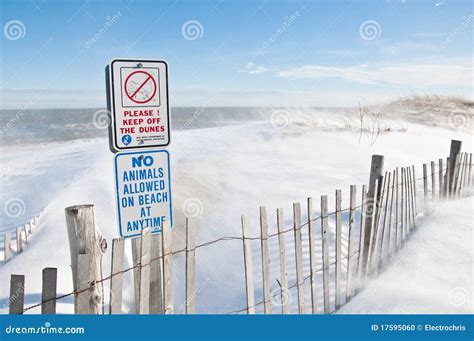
{"x": 226, "y": 171}
{"x": 434, "y": 272}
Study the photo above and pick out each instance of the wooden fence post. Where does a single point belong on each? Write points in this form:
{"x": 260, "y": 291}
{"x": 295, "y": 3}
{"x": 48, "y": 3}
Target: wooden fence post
{"x": 298, "y": 256}
{"x": 470, "y": 170}
{"x": 397, "y": 228}
{"x": 453, "y": 153}
{"x": 167, "y": 268}
{"x": 402, "y": 206}
{"x": 412, "y": 197}
{"x": 384, "y": 229}
{"x": 267, "y": 299}
{"x": 7, "y": 239}
{"x": 312, "y": 256}
{"x": 433, "y": 180}
{"x": 248, "y": 266}
{"x": 325, "y": 252}
{"x": 19, "y": 241}
{"x": 457, "y": 168}
{"x": 84, "y": 301}
{"x": 48, "y": 292}
{"x": 380, "y": 187}
{"x": 156, "y": 283}
{"x": 283, "y": 274}
{"x": 116, "y": 281}
{"x": 190, "y": 266}
{"x": 390, "y": 226}
{"x": 350, "y": 247}
{"x": 85, "y": 238}
{"x": 425, "y": 186}
{"x": 446, "y": 179}
{"x": 376, "y": 169}
{"x": 145, "y": 251}
{"x": 362, "y": 237}
{"x": 17, "y": 294}
{"x": 337, "y": 291}
{"x": 440, "y": 178}
{"x": 407, "y": 202}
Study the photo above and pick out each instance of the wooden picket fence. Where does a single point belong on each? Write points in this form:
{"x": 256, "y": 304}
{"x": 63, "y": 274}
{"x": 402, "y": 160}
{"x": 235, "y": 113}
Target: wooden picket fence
{"x": 22, "y": 235}
{"x": 387, "y": 216}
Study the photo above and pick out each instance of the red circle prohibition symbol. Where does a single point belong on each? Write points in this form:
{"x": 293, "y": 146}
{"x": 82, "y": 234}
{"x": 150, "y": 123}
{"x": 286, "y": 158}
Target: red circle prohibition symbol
{"x": 147, "y": 79}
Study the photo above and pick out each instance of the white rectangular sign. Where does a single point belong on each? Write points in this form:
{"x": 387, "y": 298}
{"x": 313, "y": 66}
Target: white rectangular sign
{"x": 143, "y": 186}
{"x": 137, "y": 97}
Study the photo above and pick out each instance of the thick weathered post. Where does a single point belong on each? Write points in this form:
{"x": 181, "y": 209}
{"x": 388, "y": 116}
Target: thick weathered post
{"x": 248, "y": 266}
{"x": 283, "y": 274}
{"x": 453, "y": 153}
{"x": 86, "y": 297}
{"x": 325, "y": 252}
{"x": 17, "y": 294}
{"x": 85, "y": 238}
{"x": 350, "y": 247}
{"x": 376, "y": 169}
{"x": 312, "y": 256}
{"x": 48, "y": 292}
{"x": 167, "y": 249}
{"x": 190, "y": 266}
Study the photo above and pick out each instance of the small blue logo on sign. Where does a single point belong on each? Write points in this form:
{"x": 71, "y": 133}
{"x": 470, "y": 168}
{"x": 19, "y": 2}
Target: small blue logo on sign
{"x": 126, "y": 139}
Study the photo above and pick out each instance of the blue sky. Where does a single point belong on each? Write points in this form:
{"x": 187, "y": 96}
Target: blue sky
{"x": 332, "y": 53}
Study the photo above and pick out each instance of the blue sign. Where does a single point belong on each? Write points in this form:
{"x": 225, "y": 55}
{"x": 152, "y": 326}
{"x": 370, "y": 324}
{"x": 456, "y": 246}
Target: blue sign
{"x": 143, "y": 185}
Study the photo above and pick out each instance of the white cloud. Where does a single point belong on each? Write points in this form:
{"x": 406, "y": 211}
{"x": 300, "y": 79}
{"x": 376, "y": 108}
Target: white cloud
{"x": 417, "y": 75}
{"x": 253, "y": 69}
